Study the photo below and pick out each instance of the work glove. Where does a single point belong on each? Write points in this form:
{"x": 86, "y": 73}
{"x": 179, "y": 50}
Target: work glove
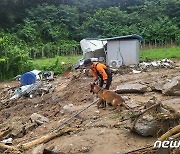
{"x": 104, "y": 86}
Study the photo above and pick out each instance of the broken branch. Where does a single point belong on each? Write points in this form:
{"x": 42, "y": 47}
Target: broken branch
{"x": 43, "y": 139}
{"x": 138, "y": 115}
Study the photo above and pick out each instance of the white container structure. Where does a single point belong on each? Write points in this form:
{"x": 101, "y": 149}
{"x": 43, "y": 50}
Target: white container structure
{"x": 116, "y": 51}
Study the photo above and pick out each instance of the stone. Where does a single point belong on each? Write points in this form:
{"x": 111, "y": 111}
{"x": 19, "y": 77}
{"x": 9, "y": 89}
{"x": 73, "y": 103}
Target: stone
{"x": 173, "y": 103}
{"x": 131, "y": 88}
{"x": 155, "y": 86}
{"x": 150, "y": 103}
{"x": 30, "y": 126}
{"x": 125, "y": 98}
{"x": 132, "y": 104}
{"x": 172, "y": 87}
{"x": 146, "y": 126}
{"x": 68, "y": 108}
{"x": 18, "y": 132}
{"x": 39, "y": 119}
{"x": 39, "y": 149}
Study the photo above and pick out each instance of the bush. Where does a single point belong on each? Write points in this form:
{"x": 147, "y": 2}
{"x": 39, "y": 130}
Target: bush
{"x": 14, "y": 58}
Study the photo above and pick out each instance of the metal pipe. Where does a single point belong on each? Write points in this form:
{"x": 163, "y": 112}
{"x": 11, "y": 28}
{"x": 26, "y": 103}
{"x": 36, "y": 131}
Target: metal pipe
{"x": 77, "y": 113}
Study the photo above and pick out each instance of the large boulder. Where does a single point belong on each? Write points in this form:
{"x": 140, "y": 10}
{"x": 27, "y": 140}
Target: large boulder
{"x": 131, "y": 88}
{"x": 147, "y": 125}
{"x": 158, "y": 119}
{"x": 172, "y": 87}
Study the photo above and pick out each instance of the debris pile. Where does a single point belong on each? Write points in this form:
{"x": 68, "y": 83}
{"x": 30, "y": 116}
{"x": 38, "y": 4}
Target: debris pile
{"x": 39, "y": 88}
{"x": 154, "y": 120}
{"x": 164, "y": 63}
{"x": 145, "y": 66}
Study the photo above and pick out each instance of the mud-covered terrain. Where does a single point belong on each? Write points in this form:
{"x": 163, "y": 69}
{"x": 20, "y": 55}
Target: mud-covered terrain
{"x": 94, "y": 131}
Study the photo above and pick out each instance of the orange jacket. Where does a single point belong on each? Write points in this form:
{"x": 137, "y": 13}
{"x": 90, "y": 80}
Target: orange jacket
{"x": 98, "y": 67}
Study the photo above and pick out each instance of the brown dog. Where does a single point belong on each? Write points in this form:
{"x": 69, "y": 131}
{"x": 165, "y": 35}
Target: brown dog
{"x": 107, "y": 96}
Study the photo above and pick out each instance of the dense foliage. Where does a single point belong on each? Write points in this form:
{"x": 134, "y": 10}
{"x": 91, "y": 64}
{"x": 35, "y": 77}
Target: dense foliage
{"x": 46, "y": 28}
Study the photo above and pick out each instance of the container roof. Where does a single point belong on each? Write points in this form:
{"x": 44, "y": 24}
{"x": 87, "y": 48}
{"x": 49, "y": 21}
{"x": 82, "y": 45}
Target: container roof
{"x": 127, "y": 37}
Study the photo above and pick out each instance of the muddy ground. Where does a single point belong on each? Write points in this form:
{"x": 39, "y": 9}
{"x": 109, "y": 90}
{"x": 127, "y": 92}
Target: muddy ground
{"x": 99, "y": 131}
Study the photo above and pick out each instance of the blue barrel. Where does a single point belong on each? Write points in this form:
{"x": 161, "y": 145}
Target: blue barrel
{"x": 28, "y": 78}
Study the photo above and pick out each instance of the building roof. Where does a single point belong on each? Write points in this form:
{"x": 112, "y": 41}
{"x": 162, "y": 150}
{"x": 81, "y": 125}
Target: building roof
{"x": 127, "y": 37}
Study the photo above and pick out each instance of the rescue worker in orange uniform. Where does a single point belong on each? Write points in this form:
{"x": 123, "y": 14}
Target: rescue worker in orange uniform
{"x": 99, "y": 71}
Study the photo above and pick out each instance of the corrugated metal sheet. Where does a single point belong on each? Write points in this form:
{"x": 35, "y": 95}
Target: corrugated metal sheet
{"x": 127, "y": 37}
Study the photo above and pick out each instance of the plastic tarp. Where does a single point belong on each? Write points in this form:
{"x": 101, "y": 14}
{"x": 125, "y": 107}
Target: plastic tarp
{"x": 88, "y": 45}
{"x": 28, "y": 78}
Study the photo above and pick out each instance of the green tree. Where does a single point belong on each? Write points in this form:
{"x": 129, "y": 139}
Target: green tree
{"x": 13, "y": 56}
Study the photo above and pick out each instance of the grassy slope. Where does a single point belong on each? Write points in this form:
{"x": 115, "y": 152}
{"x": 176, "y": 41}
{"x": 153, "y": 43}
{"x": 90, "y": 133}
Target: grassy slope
{"x": 48, "y": 61}
{"x": 155, "y": 54}
{"x": 47, "y": 64}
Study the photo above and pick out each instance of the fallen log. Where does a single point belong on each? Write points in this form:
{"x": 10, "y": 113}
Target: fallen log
{"x": 175, "y": 136}
{"x": 5, "y": 147}
{"x": 43, "y": 139}
{"x": 170, "y": 133}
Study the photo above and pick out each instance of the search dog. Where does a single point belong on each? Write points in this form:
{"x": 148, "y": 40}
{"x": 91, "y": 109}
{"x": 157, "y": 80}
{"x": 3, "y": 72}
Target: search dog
{"x": 107, "y": 96}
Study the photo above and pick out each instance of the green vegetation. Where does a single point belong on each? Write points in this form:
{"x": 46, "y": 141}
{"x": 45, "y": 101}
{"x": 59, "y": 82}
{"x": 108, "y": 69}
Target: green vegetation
{"x": 59, "y": 65}
{"x": 155, "y": 54}
{"x": 31, "y": 29}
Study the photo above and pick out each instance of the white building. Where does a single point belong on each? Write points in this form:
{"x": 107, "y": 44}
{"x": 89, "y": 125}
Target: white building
{"x": 115, "y": 51}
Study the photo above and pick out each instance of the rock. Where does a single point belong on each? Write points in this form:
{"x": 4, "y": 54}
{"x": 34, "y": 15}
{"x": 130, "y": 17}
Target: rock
{"x": 18, "y": 131}
{"x": 125, "y": 98}
{"x": 47, "y": 151}
{"x": 146, "y": 126}
{"x": 173, "y": 87}
{"x": 131, "y": 88}
{"x": 163, "y": 110}
{"x": 30, "y": 127}
{"x": 39, "y": 119}
{"x": 39, "y": 149}
{"x": 150, "y": 103}
{"x": 173, "y": 103}
{"x": 132, "y": 104}
{"x": 155, "y": 86}
{"x": 136, "y": 72}
{"x": 68, "y": 108}
{"x": 85, "y": 149}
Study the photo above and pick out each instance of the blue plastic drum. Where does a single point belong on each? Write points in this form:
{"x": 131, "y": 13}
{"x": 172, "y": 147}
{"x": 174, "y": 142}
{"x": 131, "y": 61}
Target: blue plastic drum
{"x": 28, "y": 78}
